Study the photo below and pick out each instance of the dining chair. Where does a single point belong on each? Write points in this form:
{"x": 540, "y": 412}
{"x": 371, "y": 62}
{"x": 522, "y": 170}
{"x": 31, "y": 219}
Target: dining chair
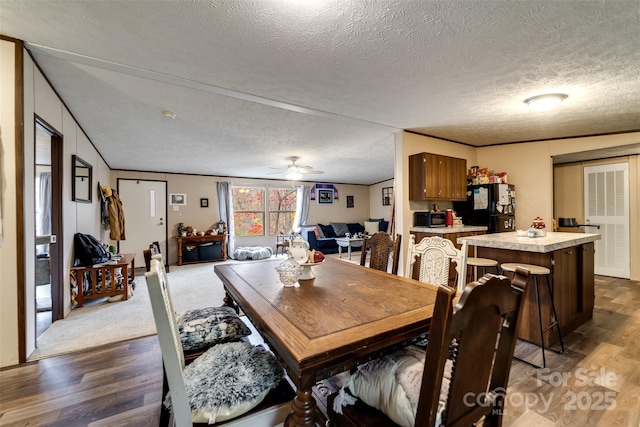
{"x": 436, "y": 255}
{"x": 227, "y": 381}
{"x": 381, "y": 247}
{"x": 465, "y": 368}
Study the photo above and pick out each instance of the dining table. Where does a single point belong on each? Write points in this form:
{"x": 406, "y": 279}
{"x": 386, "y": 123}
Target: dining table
{"x": 346, "y": 315}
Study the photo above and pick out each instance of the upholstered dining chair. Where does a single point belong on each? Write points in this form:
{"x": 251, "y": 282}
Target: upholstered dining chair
{"x": 436, "y": 255}
{"x": 465, "y": 368}
{"x": 228, "y": 380}
{"x": 381, "y": 247}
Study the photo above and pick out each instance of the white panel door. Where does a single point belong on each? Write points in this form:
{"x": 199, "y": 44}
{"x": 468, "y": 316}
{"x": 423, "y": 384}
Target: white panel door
{"x": 606, "y": 199}
{"x": 145, "y": 211}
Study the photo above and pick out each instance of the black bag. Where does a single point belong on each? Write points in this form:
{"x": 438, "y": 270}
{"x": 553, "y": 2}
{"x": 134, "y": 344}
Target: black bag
{"x": 88, "y": 250}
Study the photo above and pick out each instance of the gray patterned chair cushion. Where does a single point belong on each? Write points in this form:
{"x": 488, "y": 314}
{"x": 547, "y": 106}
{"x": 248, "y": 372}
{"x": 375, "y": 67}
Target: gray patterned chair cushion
{"x": 208, "y": 326}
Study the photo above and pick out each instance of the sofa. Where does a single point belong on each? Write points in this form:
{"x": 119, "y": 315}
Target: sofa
{"x": 323, "y": 237}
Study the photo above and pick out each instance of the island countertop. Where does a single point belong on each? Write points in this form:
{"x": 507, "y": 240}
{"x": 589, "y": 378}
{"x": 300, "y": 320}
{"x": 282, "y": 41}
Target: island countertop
{"x": 553, "y": 241}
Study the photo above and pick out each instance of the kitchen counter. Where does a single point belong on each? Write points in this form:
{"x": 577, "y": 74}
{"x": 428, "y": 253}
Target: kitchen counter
{"x": 448, "y": 230}
{"x": 570, "y": 259}
{"x": 553, "y": 241}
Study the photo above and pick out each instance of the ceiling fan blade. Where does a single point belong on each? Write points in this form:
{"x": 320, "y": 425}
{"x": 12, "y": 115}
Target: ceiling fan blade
{"x": 312, "y": 171}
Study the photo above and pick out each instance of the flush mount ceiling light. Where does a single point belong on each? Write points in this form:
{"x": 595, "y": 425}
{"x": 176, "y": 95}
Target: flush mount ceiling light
{"x": 545, "y": 102}
{"x": 169, "y": 114}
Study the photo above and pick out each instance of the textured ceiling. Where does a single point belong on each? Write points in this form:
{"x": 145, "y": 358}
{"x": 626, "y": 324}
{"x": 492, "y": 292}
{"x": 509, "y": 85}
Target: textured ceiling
{"x": 254, "y": 82}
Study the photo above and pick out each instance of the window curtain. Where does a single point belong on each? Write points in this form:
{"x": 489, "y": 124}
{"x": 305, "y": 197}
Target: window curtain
{"x": 225, "y": 210}
{"x": 303, "y": 198}
{"x": 43, "y": 210}
{"x": 44, "y": 198}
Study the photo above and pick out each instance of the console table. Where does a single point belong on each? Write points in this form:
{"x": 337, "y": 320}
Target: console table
{"x": 200, "y": 256}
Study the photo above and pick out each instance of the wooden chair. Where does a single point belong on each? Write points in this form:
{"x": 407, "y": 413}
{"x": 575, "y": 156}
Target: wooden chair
{"x": 470, "y": 352}
{"x": 381, "y": 247}
{"x": 436, "y": 255}
{"x": 271, "y": 410}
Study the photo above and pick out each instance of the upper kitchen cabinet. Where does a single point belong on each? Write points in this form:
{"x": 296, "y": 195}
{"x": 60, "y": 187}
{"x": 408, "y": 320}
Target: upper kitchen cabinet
{"x": 436, "y": 177}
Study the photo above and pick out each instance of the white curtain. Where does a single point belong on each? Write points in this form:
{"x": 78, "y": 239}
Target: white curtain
{"x": 303, "y": 198}
{"x": 44, "y": 198}
{"x": 225, "y": 210}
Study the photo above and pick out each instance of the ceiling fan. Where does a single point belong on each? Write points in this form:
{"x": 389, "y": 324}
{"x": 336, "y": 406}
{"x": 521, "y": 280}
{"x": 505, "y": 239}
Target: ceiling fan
{"x": 295, "y": 171}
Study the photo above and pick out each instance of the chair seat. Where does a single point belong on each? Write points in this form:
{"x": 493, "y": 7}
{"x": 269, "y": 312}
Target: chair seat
{"x": 534, "y": 270}
{"x": 481, "y": 262}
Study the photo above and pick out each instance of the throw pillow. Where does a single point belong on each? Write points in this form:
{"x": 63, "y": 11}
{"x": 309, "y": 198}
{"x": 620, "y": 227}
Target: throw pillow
{"x": 384, "y": 226}
{"x": 355, "y": 228}
{"x": 371, "y": 227}
{"x": 327, "y": 230}
{"x": 207, "y": 326}
{"x": 376, "y": 219}
{"x": 340, "y": 228}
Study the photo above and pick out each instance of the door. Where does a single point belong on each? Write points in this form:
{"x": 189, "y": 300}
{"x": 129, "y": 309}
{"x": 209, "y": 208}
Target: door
{"x": 145, "y": 210}
{"x": 606, "y": 203}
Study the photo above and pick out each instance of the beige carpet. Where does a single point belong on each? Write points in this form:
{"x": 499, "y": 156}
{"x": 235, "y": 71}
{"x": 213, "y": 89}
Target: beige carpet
{"x": 100, "y": 322}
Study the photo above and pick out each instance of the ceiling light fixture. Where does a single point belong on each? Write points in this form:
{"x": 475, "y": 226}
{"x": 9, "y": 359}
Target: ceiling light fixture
{"x": 294, "y": 176}
{"x": 545, "y": 102}
{"x": 169, "y": 114}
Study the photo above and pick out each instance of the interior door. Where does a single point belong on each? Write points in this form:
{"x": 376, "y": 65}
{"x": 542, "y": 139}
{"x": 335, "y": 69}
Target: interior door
{"x": 606, "y": 203}
{"x": 145, "y": 210}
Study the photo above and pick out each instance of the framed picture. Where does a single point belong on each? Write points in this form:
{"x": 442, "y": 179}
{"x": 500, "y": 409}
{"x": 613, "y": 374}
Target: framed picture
{"x": 325, "y": 196}
{"x": 204, "y": 203}
{"x": 387, "y": 194}
{"x": 178, "y": 199}
{"x": 349, "y": 201}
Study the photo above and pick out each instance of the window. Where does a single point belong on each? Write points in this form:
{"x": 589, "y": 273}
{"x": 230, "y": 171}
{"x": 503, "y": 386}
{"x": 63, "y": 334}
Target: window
{"x": 248, "y": 211}
{"x": 282, "y": 210}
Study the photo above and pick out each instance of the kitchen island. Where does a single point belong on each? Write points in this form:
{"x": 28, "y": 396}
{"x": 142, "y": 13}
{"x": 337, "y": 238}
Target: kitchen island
{"x": 569, "y": 257}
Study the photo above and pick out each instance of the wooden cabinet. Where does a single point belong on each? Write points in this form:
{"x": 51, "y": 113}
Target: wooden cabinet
{"x": 436, "y": 177}
{"x": 201, "y": 249}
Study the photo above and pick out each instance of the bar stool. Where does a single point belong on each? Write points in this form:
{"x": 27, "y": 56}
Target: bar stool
{"x": 536, "y": 271}
{"x": 481, "y": 263}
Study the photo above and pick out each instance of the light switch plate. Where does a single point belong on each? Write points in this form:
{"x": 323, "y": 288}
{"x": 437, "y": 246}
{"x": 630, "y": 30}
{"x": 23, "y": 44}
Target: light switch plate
{"x": 176, "y": 208}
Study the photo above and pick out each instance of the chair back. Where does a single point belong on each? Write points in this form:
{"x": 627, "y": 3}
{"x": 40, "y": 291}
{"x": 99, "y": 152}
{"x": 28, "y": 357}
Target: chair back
{"x": 169, "y": 338}
{"x": 436, "y": 255}
{"x": 381, "y": 247}
{"x": 487, "y": 312}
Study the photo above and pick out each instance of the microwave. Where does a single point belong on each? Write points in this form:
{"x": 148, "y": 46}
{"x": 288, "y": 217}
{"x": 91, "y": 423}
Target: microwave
{"x": 430, "y": 219}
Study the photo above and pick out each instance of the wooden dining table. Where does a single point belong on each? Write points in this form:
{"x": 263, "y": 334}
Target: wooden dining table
{"x": 345, "y": 316}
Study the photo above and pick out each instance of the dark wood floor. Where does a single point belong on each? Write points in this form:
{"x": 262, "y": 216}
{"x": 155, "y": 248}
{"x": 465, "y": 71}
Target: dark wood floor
{"x": 120, "y": 384}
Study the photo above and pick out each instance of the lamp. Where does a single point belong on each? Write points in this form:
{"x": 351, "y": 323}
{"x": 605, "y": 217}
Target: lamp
{"x": 545, "y": 102}
{"x": 294, "y": 176}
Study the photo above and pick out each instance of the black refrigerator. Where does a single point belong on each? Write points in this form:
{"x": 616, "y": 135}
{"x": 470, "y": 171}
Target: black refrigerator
{"x": 490, "y": 205}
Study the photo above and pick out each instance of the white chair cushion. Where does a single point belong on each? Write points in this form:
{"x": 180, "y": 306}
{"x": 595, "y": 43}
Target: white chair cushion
{"x": 229, "y": 380}
{"x": 392, "y": 383}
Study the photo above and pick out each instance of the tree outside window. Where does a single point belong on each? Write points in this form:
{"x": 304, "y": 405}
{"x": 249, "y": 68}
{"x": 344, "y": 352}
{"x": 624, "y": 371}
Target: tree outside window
{"x": 282, "y": 210}
{"x": 248, "y": 211}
